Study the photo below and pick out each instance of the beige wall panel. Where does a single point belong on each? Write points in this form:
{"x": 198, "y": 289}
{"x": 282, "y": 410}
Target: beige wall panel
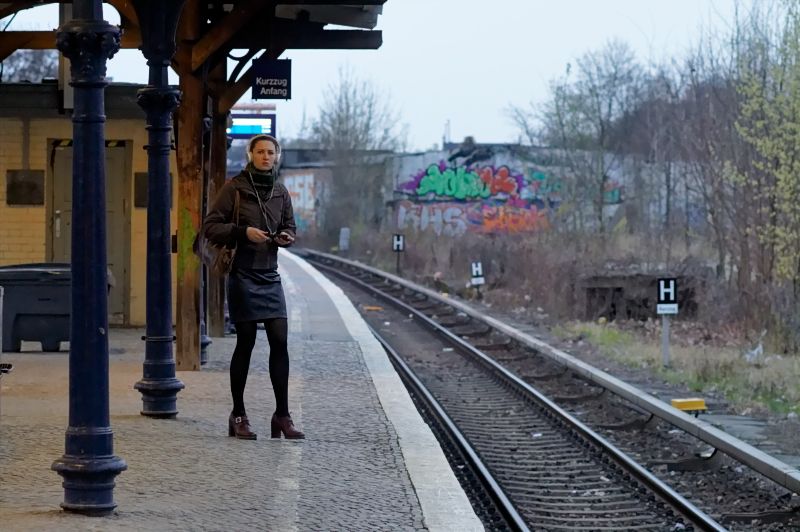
{"x": 23, "y": 230}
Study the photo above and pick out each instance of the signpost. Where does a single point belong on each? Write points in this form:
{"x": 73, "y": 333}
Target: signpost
{"x": 398, "y": 246}
{"x": 667, "y": 304}
{"x": 476, "y": 268}
{"x": 272, "y": 79}
{"x": 344, "y": 239}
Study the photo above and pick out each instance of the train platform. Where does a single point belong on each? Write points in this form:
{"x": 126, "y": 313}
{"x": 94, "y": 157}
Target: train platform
{"x": 369, "y": 461}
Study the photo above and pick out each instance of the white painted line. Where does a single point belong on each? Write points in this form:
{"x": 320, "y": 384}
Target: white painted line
{"x": 444, "y": 504}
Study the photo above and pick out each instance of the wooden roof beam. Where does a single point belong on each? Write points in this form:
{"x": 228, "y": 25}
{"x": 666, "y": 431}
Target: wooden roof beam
{"x": 125, "y": 9}
{"x": 356, "y": 17}
{"x": 224, "y": 30}
{"x": 9, "y": 8}
{"x": 46, "y": 40}
{"x": 331, "y": 2}
{"x": 234, "y": 91}
{"x": 302, "y": 35}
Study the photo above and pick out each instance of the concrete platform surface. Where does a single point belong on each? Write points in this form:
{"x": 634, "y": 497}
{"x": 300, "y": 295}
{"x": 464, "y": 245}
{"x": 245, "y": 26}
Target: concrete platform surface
{"x": 369, "y": 462}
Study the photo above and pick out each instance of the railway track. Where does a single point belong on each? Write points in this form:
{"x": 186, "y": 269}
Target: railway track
{"x": 565, "y": 452}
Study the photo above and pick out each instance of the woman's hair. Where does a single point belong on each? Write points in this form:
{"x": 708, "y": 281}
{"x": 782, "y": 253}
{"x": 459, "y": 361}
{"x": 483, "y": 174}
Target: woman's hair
{"x": 252, "y": 142}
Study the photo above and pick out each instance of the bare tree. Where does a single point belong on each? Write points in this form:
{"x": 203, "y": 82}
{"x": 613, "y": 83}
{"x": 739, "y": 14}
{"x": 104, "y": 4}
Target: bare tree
{"x": 580, "y": 118}
{"x": 29, "y": 65}
{"x": 355, "y": 124}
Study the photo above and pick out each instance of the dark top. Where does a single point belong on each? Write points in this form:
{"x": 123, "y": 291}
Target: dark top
{"x": 220, "y": 228}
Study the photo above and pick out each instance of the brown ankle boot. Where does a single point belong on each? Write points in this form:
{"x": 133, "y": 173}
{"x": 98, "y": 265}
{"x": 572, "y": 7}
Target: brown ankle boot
{"x": 239, "y": 426}
{"x": 286, "y": 425}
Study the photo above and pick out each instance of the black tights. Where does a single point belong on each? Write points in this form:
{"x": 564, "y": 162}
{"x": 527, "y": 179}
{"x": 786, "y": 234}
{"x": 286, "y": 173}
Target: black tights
{"x": 277, "y": 332}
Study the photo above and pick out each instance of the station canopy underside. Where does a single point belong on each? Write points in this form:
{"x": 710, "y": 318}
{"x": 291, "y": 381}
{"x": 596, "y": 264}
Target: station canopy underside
{"x": 253, "y": 25}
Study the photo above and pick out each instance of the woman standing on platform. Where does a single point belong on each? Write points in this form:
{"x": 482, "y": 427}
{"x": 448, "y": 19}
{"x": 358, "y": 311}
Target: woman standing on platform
{"x": 255, "y": 294}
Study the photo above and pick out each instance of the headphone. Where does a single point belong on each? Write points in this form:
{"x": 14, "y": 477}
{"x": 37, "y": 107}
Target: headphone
{"x": 252, "y": 142}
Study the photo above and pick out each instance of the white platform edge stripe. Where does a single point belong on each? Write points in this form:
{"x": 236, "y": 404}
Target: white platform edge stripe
{"x": 444, "y": 504}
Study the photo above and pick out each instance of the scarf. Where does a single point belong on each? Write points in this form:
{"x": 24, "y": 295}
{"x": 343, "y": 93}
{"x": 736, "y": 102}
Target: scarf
{"x": 264, "y": 180}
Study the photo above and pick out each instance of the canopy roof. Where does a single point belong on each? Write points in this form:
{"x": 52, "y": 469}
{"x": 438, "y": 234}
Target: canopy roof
{"x": 244, "y": 24}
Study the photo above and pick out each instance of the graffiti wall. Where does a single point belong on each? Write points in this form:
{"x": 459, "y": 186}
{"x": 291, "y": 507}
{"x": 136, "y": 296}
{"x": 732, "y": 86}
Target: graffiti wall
{"x": 490, "y": 197}
{"x": 489, "y": 192}
{"x": 308, "y": 189}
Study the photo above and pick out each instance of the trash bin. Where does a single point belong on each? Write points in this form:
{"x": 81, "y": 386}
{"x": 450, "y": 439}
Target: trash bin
{"x": 36, "y": 304}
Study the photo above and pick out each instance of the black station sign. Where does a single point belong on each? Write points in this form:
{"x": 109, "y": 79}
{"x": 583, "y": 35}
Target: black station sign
{"x": 272, "y": 79}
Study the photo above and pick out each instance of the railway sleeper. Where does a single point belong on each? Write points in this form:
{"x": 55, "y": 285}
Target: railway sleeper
{"x": 594, "y": 520}
{"x": 435, "y": 312}
{"x": 494, "y": 346}
{"x": 422, "y": 306}
{"x": 633, "y": 424}
{"x": 455, "y": 322}
{"x": 579, "y": 398}
{"x": 775, "y": 516}
{"x": 546, "y": 376}
{"x": 472, "y": 333}
{"x": 699, "y": 462}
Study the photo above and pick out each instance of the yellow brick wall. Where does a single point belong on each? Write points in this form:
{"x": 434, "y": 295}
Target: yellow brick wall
{"x": 23, "y": 229}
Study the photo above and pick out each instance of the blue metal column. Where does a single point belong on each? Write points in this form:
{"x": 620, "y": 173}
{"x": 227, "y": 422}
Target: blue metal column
{"x": 88, "y": 465}
{"x": 159, "y": 387}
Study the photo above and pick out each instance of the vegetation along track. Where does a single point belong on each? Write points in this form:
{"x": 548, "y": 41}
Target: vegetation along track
{"x": 549, "y": 480}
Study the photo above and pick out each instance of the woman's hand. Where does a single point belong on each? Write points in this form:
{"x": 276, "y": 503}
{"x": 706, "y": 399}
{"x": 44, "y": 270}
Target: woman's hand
{"x": 257, "y": 235}
{"x": 283, "y": 238}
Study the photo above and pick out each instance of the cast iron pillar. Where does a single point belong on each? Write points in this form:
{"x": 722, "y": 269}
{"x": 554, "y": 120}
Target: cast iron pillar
{"x": 159, "y": 387}
{"x": 88, "y": 465}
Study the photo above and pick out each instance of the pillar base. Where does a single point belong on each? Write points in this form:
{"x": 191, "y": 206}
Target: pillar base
{"x": 89, "y": 483}
{"x": 159, "y": 396}
{"x": 205, "y": 341}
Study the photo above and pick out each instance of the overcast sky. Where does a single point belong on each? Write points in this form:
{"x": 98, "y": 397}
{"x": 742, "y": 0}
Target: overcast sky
{"x": 465, "y": 61}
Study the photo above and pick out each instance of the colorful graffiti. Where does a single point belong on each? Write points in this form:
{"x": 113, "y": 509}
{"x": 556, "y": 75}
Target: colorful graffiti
{"x": 464, "y": 183}
{"x": 302, "y": 189}
{"x": 454, "y": 219}
{"x": 442, "y": 218}
{"x": 612, "y": 193}
{"x": 477, "y": 198}
{"x": 542, "y": 190}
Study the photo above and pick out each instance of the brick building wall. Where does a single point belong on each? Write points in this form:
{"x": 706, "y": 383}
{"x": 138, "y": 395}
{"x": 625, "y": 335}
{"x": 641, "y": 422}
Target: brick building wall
{"x": 24, "y": 228}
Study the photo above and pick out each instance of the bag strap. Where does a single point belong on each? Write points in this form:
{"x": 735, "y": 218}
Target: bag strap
{"x": 258, "y": 198}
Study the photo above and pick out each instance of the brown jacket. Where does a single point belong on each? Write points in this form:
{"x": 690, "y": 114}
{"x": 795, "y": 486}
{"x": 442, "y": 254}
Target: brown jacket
{"x": 220, "y": 228}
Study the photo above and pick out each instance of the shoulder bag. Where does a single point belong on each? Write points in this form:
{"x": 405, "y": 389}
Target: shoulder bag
{"x": 218, "y": 259}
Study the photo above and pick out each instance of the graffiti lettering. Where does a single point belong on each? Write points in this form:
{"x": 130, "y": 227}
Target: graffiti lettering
{"x": 612, "y": 193}
{"x": 454, "y": 219}
{"x": 500, "y": 181}
{"x": 506, "y": 219}
{"x": 441, "y": 218}
{"x": 543, "y": 189}
{"x": 457, "y": 183}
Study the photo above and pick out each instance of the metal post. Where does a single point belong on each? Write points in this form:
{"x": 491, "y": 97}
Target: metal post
{"x": 397, "y": 264}
{"x": 88, "y": 465}
{"x": 665, "y": 340}
{"x": 159, "y": 386}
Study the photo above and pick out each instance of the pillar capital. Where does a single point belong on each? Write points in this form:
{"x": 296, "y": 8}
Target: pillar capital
{"x": 88, "y": 44}
{"x": 159, "y": 102}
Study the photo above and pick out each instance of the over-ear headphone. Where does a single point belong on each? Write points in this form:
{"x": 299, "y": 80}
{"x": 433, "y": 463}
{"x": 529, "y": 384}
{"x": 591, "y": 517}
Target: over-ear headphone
{"x": 252, "y": 142}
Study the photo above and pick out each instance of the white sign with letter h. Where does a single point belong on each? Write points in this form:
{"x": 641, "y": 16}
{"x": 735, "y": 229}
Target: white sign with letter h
{"x": 477, "y": 274}
{"x": 397, "y": 243}
{"x": 667, "y": 296}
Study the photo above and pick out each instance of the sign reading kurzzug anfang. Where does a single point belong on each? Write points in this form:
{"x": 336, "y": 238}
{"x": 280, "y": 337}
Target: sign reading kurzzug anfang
{"x": 272, "y": 79}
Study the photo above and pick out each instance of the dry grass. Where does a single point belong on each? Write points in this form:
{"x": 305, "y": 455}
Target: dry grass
{"x": 773, "y": 383}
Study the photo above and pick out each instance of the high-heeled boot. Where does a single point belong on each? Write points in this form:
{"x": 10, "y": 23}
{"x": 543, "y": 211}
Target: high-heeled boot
{"x": 285, "y": 425}
{"x": 239, "y": 426}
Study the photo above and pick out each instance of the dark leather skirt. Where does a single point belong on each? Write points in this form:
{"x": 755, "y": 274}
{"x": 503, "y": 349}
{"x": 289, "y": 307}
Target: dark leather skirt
{"x": 255, "y": 295}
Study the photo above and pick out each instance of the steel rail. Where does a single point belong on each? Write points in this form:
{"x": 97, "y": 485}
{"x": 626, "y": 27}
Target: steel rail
{"x": 674, "y": 499}
{"x": 505, "y": 506}
{"x": 772, "y": 468}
